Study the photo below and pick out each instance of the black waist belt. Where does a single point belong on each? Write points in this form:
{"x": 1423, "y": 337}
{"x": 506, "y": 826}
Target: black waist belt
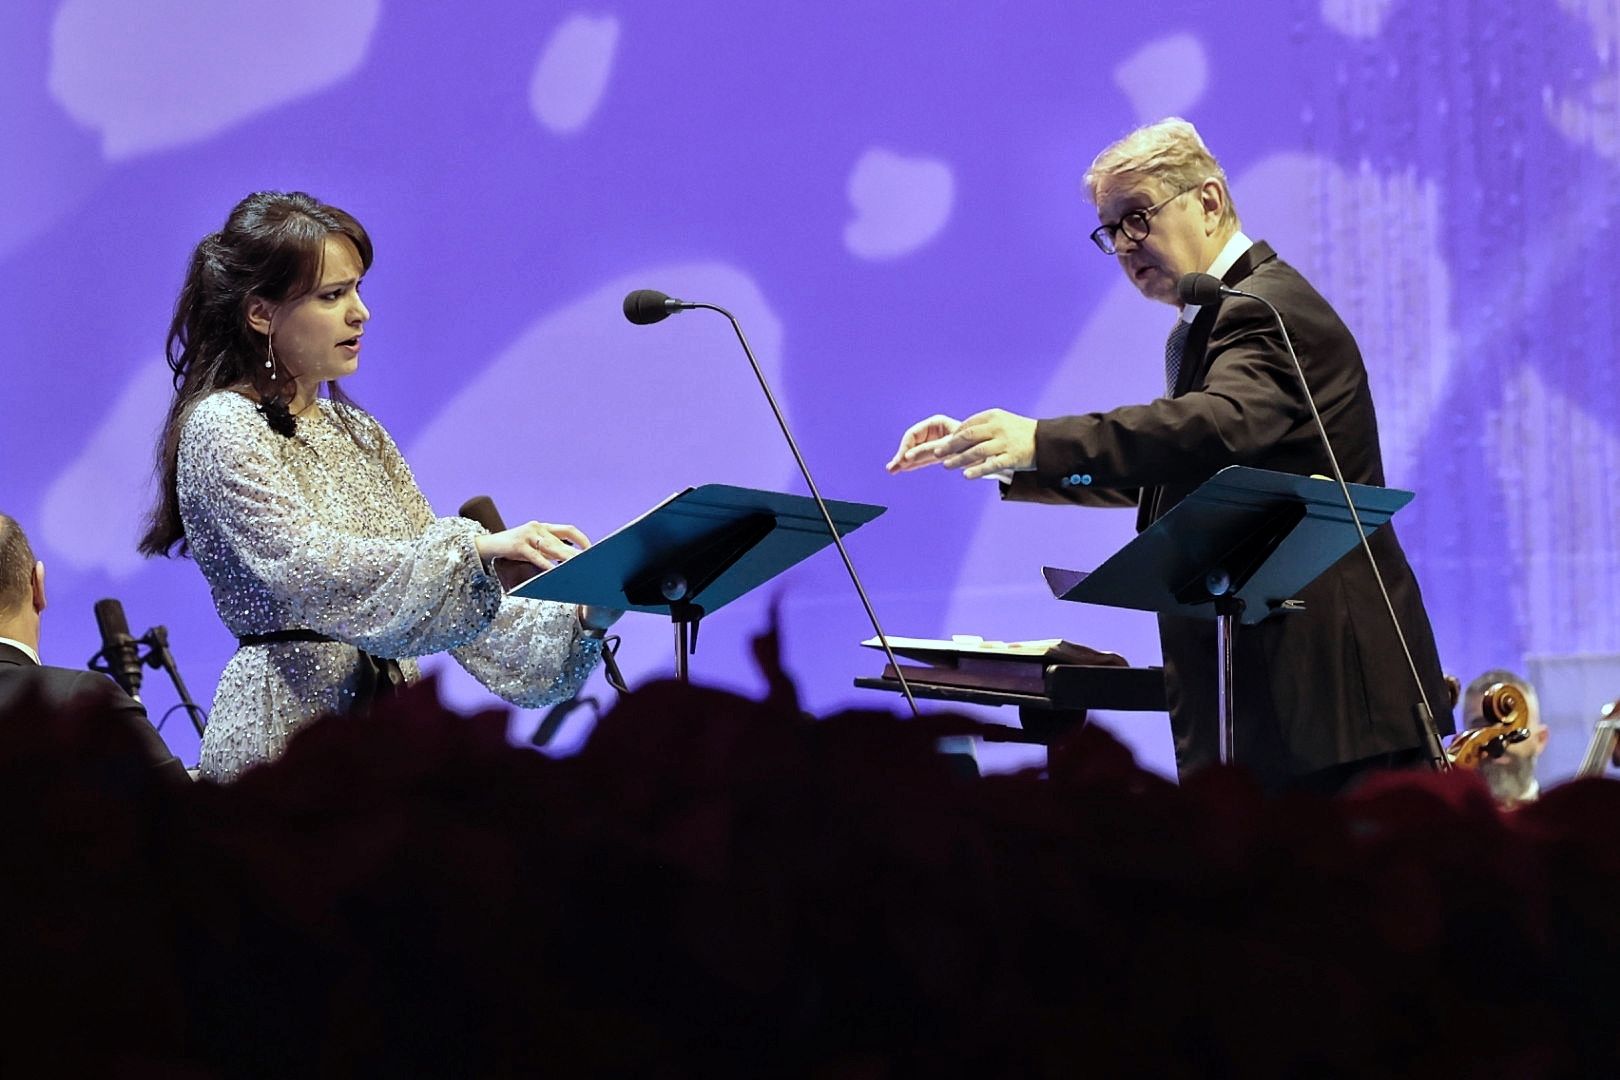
{"x": 279, "y": 636}
{"x": 378, "y": 675}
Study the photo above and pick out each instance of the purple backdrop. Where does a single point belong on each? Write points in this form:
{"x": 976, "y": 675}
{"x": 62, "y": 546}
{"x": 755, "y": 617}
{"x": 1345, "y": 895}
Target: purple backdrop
{"x": 889, "y": 199}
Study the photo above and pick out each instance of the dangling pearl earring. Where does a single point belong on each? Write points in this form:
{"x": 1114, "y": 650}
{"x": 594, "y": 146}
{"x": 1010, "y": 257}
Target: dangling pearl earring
{"x": 270, "y": 361}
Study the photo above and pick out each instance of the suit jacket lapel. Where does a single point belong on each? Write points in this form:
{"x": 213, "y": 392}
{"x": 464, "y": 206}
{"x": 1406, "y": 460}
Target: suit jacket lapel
{"x": 1192, "y": 357}
{"x": 1259, "y": 252}
{"x": 1193, "y": 360}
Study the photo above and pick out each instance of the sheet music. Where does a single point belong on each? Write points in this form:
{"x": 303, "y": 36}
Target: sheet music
{"x": 969, "y": 644}
{"x": 973, "y": 647}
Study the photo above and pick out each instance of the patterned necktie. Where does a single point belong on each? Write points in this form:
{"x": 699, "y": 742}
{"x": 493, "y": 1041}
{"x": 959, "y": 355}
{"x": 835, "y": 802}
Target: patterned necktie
{"x": 1173, "y": 349}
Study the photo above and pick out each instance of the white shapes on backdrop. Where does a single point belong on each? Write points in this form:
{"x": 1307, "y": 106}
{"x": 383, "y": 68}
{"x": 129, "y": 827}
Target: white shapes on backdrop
{"x": 585, "y": 412}
{"x": 91, "y": 515}
{"x": 1164, "y": 77}
{"x": 573, "y": 72}
{"x": 1603, "y": 18}
{"x": 42, "y": 187}
{"x": 50, "y": 166}
{"x": 1333, "y": 224}
{"x": 1592, "y": 118}
{"x": 1566, "y": 588}
{"x": 165, "y": 73}
{"x": 900, "y": 203}
{"x": 1357, "y": 18}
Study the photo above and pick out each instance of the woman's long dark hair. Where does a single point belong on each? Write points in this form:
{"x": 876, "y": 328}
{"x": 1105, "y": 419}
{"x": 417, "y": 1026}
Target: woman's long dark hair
{"x": 271, "y": 247}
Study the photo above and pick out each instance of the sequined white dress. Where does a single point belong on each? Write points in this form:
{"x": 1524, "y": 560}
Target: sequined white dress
{"x": 318, "y": 532}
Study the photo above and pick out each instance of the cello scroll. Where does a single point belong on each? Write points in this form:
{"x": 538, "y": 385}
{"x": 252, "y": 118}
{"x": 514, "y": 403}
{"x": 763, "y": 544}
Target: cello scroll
{"x": 1506, "y": 714}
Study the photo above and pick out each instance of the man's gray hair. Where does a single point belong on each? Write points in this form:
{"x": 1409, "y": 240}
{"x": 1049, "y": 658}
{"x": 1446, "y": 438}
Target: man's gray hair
{"x": 1169, "y": 151}
{"x": 1472, "y": 699}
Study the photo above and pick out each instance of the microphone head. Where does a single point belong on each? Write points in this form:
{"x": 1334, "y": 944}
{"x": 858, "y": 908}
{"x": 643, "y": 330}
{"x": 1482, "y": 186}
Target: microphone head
{"x": 1199, "y": 289}
{"x": 110, "y": 620}
{"x": 481, "y": 508}
{"x": 119, "y": 649}
{"x": 646, "y": 306}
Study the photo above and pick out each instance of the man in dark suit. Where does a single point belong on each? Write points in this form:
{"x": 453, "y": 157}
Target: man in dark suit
{"x": 1323, "y": 695}
{"x": 27, "y": 686}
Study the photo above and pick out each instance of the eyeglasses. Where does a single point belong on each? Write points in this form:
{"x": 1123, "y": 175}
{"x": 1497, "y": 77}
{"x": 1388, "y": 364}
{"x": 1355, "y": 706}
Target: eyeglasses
{"x": 1133, "y": 224}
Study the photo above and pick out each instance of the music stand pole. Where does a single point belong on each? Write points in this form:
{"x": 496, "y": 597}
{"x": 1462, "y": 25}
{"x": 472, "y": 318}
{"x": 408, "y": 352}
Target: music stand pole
{"x": 683, "y": 616}
{"x": 1228, "y": 610}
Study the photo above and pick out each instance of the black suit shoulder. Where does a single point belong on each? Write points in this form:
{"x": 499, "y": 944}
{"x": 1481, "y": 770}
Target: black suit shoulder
{"x": 1301, "y": 305}
{"x": 58, "y": 688}
{"x": 61, "y": 685}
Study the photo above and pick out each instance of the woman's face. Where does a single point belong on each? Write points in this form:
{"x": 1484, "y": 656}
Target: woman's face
{"x": 317, "y": 336}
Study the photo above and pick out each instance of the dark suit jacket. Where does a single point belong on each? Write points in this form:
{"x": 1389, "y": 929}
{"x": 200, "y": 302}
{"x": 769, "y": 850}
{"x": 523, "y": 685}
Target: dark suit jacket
{"x": 1315, "y": 689}
{"x": 19, "y": 676}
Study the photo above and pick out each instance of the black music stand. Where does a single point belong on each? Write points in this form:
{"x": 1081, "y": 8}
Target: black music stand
{"x": 696, "y": 552}
{"x": 1050, "y": 708}
{"x": 1238, "y": 550}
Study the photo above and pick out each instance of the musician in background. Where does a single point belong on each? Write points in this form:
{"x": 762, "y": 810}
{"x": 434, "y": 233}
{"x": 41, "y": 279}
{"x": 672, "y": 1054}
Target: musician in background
{"x": 25, "y": 681}
{"x": 1511, "y": 777}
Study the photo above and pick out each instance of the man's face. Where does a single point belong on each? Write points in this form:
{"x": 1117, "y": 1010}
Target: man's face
{"x": 1180, "y": 238}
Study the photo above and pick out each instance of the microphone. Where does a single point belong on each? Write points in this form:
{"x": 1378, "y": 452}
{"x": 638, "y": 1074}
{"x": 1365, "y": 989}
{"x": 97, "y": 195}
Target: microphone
{"x": 120, "y": 657}
{"x": 646, "y": 306}
{"x": 1201, "y": 289}
{"x": 119, "y": 648}
{"x": 481, "y": 508}
{"x": 649, "y": 306}
{"x": 1204, "y": 289}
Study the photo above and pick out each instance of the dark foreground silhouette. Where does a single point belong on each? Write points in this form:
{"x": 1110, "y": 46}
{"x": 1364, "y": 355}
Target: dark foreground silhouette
{"x": 718, "y": 886}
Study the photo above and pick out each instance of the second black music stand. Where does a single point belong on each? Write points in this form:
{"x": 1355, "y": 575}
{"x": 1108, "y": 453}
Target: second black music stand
{"x": 696, "y": 552}
{"x": 1238, "y": 549}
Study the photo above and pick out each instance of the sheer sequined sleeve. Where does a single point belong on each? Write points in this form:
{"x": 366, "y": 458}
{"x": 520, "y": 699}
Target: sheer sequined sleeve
{"x": 392, "y": 590}
{"x": 532, "y": 654}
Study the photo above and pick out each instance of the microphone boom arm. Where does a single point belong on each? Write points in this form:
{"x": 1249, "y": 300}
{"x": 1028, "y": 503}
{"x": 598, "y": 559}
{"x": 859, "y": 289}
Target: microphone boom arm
{"x": 1425, "y": 717}
{"x": 815, "y": 493}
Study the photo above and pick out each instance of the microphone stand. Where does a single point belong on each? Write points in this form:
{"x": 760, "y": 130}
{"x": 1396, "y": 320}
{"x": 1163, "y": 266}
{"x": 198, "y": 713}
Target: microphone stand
{"x": 1424, "y": 712}
{"x": 129, "y": 681}
{"x": 158, "y": 655}
{"x": 804, "y": 469}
